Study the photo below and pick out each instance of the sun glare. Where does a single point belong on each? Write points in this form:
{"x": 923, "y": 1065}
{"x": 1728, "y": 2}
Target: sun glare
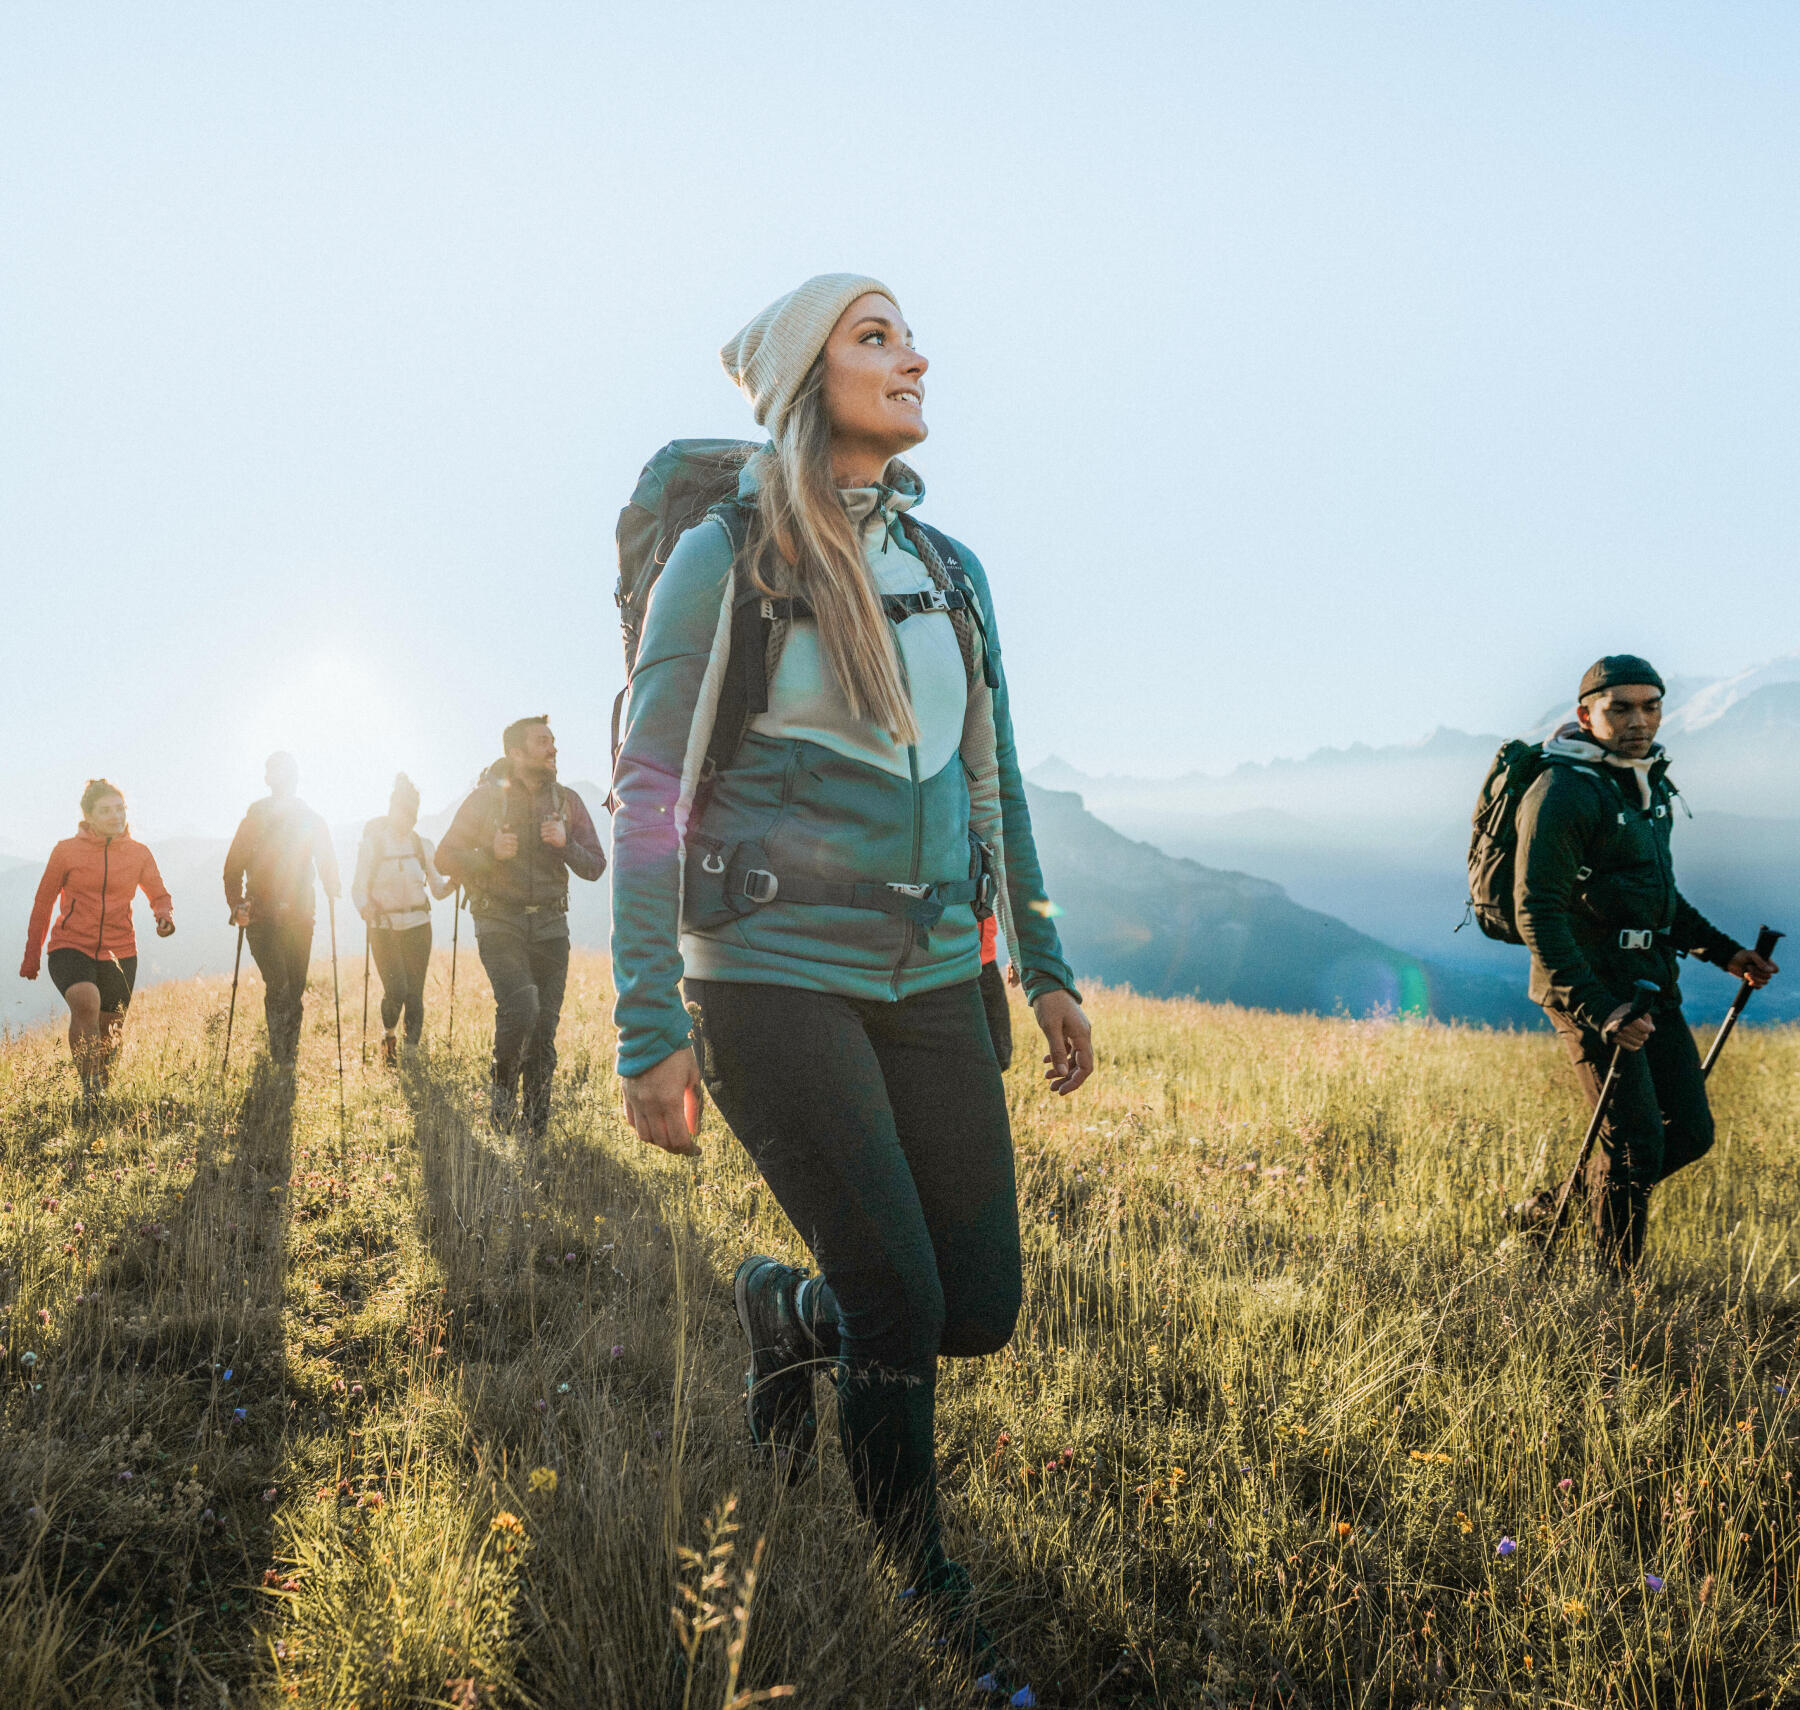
{"x": 348, "y": 727}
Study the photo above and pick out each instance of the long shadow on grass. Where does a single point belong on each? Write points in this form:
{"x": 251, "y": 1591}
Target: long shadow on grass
{"x": 591, "y": 1334}
{"x": 146, "y": 1447}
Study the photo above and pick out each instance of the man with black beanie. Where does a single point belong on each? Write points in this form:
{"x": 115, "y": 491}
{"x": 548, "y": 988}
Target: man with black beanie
{"x": 1595, "y": 900}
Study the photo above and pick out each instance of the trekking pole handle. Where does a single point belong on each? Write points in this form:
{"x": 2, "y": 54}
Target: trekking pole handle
{"x": 1643, "y": 994}
{"x": 1766, "y": 940}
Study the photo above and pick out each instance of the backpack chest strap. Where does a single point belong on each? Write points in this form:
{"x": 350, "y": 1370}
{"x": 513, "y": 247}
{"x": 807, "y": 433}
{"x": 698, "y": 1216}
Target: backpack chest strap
{"x": 898, "y": 607}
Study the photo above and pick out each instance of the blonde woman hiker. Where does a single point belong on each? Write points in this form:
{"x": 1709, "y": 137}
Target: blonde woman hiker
{"x": 92, "y": 879}
{"x": 797, "y": 909}
{"x": 396, "y": 878}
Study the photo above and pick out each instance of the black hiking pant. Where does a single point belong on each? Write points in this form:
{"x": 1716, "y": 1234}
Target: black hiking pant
{"x": 402, "y": 957}
{"x": 527, "y": 963}
{"x": 1658, "y": 1122}
{"x": 882, "y": 1129}
{"x": 282, "y": 951}
{"x": 998, "y": 1012}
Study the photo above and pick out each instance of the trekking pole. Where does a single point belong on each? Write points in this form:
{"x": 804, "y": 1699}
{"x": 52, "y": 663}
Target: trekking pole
{"x": 365, "y": 1031}
{"x": 237, "y": 962}
{"x": 455, "y": 928}
{"x": 1766, "y": 940}
{"x": 1644, "y": 994}
{"x": 337, "y": 1013}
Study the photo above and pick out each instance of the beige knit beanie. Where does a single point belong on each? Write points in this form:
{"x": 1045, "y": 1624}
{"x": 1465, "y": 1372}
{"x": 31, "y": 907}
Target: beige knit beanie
{"x": 771, "y": 356}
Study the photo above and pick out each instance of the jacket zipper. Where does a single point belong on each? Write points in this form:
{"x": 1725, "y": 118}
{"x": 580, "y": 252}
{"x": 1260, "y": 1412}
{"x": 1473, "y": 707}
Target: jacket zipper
{"x": 105, "y": 876}
{"x": 912, "y": 874}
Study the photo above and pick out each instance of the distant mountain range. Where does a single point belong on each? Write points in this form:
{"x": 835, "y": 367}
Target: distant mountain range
{"x": 1131, "y": 915}
{"x": 1378, "y": 836}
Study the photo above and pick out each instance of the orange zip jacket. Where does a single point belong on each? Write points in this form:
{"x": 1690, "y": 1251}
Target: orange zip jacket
{"x": 81, "y": 868}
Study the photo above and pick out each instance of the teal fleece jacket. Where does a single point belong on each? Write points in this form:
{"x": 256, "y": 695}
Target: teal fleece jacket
{"x": 793, "y": 806}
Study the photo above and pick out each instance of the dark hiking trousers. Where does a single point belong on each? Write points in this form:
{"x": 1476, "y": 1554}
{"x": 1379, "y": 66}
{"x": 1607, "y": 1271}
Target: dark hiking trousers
{"x": 1658, "y": 1122}
{"x": 998, "y": 1011}
{"x": 528, "y": 972}
{"x": 882, "y": 1129}
{"x": 402, "y": 957}
{"x": 282, "y": 950}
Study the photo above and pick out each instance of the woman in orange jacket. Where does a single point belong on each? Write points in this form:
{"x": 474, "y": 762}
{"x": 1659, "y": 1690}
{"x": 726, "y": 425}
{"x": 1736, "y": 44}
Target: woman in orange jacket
{"x": 95, "y": 876}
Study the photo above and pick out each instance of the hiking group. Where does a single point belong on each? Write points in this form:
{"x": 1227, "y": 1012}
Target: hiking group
{"x": 820, "y": 831}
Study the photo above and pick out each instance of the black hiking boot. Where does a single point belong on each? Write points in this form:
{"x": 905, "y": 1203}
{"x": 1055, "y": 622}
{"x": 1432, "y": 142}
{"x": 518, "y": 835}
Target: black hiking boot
{"x": 944, "y": 1597}
{"x": 1532, "y": 1217}
{"x": 778, "y": 1388}
{"x": 390, "y": 1051}
{"x": 503, "y": 1106}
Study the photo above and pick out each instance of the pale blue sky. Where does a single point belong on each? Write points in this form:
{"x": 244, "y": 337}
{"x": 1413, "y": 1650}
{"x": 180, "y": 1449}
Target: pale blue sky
{"x": 1301, "y": 373}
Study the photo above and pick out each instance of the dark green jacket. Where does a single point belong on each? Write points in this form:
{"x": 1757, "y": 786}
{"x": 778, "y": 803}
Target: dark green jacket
{"x": 1593, "y": 864}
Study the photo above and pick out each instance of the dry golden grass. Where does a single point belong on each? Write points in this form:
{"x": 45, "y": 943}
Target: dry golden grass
{"x": 405, "y": 1414}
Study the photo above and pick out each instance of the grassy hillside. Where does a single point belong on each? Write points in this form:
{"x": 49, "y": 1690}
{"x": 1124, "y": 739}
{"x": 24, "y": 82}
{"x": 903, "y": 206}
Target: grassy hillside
{"x": 283, "y": 1400}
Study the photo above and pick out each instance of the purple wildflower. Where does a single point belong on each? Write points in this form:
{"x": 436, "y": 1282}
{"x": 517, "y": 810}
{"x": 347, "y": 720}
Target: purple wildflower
{"x": 1654, "y": 1581}
{"x": 1506, "y": 1547}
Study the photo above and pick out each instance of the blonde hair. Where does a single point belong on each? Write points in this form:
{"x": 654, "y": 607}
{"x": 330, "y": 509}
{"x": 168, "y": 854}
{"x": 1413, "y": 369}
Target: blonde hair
{"x": 802, "y": 542}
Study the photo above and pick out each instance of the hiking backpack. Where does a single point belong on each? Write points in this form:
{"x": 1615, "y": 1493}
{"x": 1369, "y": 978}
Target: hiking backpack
{"x": 1494, "y": 842}
{"x": 683, "y": 484}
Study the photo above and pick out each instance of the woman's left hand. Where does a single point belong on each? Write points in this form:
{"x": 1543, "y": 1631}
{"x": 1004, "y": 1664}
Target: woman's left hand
{"x": 165, "y": 925}
{"x": 1070, "y": 1038}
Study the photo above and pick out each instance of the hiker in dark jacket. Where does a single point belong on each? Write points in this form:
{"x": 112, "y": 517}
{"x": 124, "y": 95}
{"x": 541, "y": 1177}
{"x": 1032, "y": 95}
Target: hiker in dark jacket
{"x": 269, "y": 890}
{"x": 826, "y": 914}
{"x": 1595, "y": 898}
{"x": 512, "y": 845}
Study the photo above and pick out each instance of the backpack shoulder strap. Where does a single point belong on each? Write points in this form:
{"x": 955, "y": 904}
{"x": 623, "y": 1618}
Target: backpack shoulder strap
{"x": 745, "y": 690}
{"x": 951, "y": 559}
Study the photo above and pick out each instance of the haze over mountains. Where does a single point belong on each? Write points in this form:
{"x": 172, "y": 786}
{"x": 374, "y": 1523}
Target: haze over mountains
{"x": 1378, "y": 836}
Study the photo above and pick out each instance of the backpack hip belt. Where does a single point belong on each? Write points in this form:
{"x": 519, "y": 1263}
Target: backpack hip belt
{"x": 749, "y": 886}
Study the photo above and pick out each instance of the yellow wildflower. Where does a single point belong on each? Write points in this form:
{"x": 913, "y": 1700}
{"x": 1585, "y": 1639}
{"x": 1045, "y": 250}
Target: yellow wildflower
{"x": 544, "y": 1479}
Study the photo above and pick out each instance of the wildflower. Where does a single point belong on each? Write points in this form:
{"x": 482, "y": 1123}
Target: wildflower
{"x": 240, "y": 1414}
{"x": 507, "y": 1521}
{"x": 618, "y": 1352}
{"x": 544, "y": 1479}
{"x": 356, "y": 1391}
{"x": 371, "y": 1499}
{"x": 1463, "y": 1523}
{"x": 1654, "y": 1581}
{"x": 1344, "y": 1528}
{"x": 568, "y": 1258}
{"x": 269, "y": 1494}
{"x": 1506, "y": 1547}
{"x": 541, "y": 1405}
{"x": 229, "y": 1375}
{"x": 28, "y": 1359}
{"x": 43, "y": 1315}
{"x": 1574, "y": 1609}
{"x": 1781, "y": 1389}
{"x": 1565, "y": 1485}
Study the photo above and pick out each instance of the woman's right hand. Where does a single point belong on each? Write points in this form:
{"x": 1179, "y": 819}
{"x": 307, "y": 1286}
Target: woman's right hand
{"x": 28, "y": 969}
{"x": 664, "y": 1103}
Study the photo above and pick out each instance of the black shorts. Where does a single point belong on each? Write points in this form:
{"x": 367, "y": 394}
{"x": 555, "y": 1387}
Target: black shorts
{"x": 76, "y": 967}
